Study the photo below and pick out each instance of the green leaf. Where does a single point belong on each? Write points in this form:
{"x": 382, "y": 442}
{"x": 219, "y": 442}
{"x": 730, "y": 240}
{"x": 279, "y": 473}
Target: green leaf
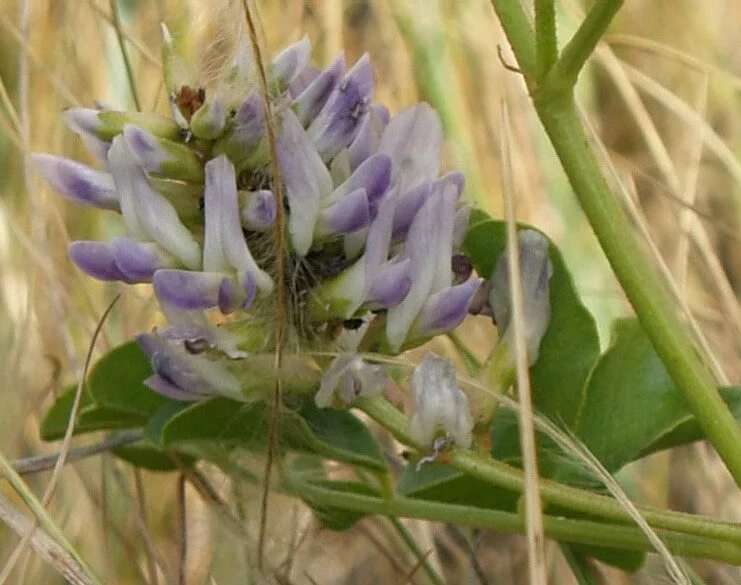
{"x": 568, "y": 349}
{"x": 632, "y": 406}
{"x": 334, "y": 434}
{"x": 146, "y": 456}
{"x": 688, "y": 430}
{"x": 442, "y": 483}
{"x": 90, "y": 416}
{"x": 116, "y": 381}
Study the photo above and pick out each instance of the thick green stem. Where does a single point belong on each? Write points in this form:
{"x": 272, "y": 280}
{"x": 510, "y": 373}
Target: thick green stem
{"x": 545, "y": 36}
{"x": 505, "y": 476}
{"x": 515, "y": 21}
{"x": 582, "y": 44}
{"x": 639, "y": 280}
{"x": 562, "y": 529}
{"x": 556, "y": 107}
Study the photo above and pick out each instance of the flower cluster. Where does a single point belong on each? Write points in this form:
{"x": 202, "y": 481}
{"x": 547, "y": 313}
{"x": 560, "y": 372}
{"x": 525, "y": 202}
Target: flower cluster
{"x": 371, "y": 226}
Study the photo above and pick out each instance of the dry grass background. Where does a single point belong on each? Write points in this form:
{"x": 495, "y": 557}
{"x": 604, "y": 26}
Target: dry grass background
{"x": 678, "y": 143}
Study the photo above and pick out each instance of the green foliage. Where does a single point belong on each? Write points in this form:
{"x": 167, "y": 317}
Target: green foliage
{"x": 334, "y": 434}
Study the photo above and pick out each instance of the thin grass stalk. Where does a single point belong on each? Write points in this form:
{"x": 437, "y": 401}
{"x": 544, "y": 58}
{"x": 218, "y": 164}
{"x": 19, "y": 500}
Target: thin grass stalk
{"x": 533, "y": 506}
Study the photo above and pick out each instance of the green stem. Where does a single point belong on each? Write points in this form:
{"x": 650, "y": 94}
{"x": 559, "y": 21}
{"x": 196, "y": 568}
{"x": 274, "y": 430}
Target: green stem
{"x": 559, "y": 528}
{"x": 546, "y": 42}
{"x": 516, "y": 24}
{"x": 556, "y": 107}
{"x": 649, "y": 298}
{"x": 582, "y": 44}
{"x": 42, "y": 516}
{"x": 124, "y": 53}
{"x": 505, "y": 476}
{"x": 416, "y": 551}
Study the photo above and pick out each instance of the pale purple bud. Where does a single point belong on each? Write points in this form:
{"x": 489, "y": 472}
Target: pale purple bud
{"x": 149, "y": 216}
{"x": 291, "y": 61}
{"x": 209, "y": 120}
{"x": 184, "y": 376}
{"x": 77, "y": 182}
{"x": 139, "y": 260}
{"x": 429, "y": 247}
{"x": 408, "y": 206}
{"x": 247, "y": 129}
{"x": 96, "y": 259}
{"x": 83, "y": 120}
{"x": 314, "y": 96}
{"x": 347, "y": 215}
{"x": 445, "y": 310}
{"x": 337, "y": 124}
{"x": 202, "y": 290}
{"x": 258, "y": 211}
{"x": 224, "y": 246}
{"x": 441, "y": 407}
{"x": 374, "y": 176}
{"x": 369, "y": 134}
{"x": 303, "y": 80}
{"x": 413, "y": 139}
{"x": 165, "y": 157}
{"x": 390, "y": 285}
{"x": 306, "y": 178}
{"x": 536, "y": 271}
{"x": 348, "y": 377}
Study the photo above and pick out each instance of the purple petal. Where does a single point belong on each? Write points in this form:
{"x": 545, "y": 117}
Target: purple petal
{"x": 303, "y": 80}
{"x": 369, "y": 134}
{"x": 148, "y": 215}
{"x": 188, "y": 290}
{"x": 349, "y": 214}
{"x": 77, "y": 181}
{"x": 339, "y": 121}
{"x": 312, "y": 99}
{"x": 225, "y": 249}
{"x": 414, "y": 140}
{"x": 291, "y": 61}
{"x": 139, "y": 260}
{"x": 373, "y": 176}
{"x": 145, "y": 145}
{"x": 96, "y": 259}
{"x": 249, "y": 123}
{"x": 306, "y": 178}
{"x": 446, "y": 309}
{"x": 429, "y": 247}
{"x": 390, "y": 285}
{"x": 259, "y": 211}
{"x": 536, "y": 270}
{"x": 82, "y": 120}
{"x": 408, "y": 206}
{"x": 169, "y": 390}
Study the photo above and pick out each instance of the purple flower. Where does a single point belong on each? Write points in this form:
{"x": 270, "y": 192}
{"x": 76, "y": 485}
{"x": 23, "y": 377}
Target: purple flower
{"x": 230, "y": 276}
{"x": 536, "y": 270}
{"x": 77, "y": 182}
{"x": 181, "y": 375}
{"x": 440, "y": 406}
{"x": 348, "y": 377}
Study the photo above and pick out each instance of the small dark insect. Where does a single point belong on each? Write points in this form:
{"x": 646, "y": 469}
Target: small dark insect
{"x": 353, "y": 324}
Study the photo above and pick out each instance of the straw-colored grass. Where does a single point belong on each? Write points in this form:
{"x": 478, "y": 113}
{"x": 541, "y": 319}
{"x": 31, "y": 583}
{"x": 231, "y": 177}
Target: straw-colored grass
{"x": 663, "y": 95}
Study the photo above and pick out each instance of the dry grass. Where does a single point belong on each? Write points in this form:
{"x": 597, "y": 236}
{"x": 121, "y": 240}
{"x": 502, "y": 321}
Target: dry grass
{"x": 55, "y": 53}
